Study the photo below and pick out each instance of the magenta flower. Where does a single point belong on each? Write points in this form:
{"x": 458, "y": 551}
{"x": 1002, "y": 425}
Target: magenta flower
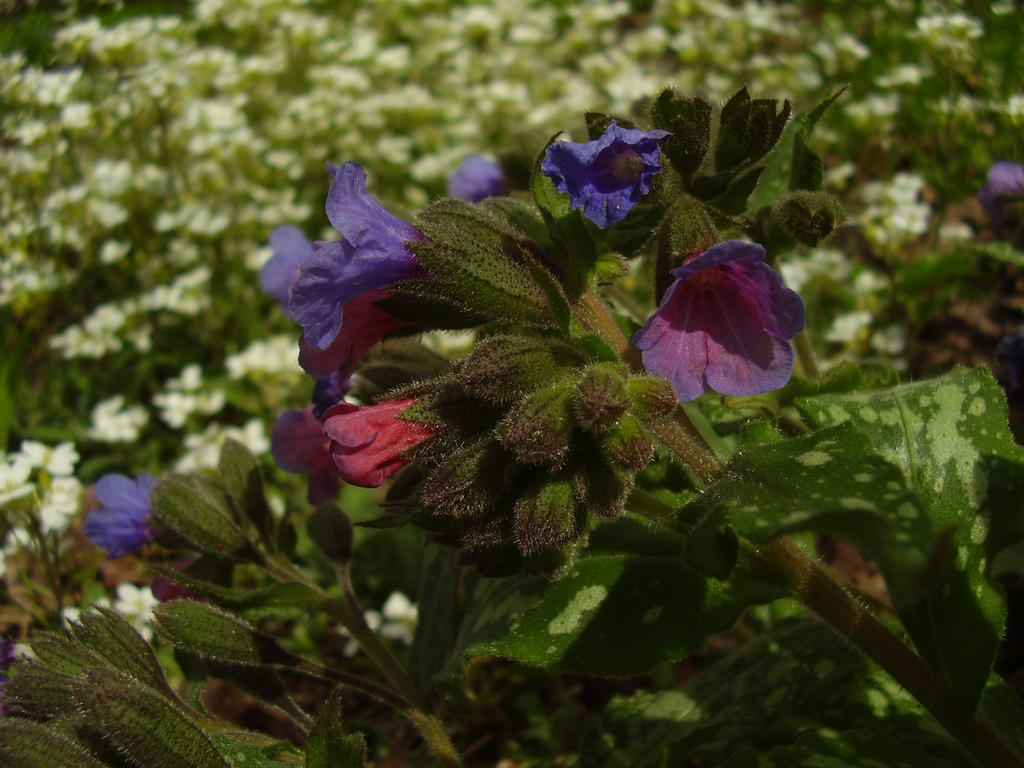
{"x": 477, "y": 179}
{"x": 365, "y": 324}
{"x": 608, "y": 176}
{"x": 371, "y": 254}
{"x": 1004, "y": 178}
{"x": 299, "y": 445}
{"x": 725, "y": 323}
{"x": 120, "y": 523}
{"x": 367, "y": 444}
{"x": 290, "y": 247}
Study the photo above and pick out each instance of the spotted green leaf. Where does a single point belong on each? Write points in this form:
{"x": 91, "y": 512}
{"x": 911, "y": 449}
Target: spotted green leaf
{"x": 800, "y": 690}
{"x": 621, "y": 613}
{"x": 949, "y": 439}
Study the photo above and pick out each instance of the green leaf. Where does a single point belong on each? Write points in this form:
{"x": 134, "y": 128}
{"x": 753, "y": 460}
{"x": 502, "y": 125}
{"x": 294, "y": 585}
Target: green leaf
{"x": 215, "y": 634}
{"x": 199, "y": 510}
{"x": 26, "y": 744}
{"x": 948, "y": 436}
{"x": 1000, "y": 251}
{"x": 243, "y": 754}
{"x": 142, "y": 724}
{"x": 799, "y": 687}
{"x": 281, "y": 599}
{"x": 243, "y": 480}
{"x": 331, "y": 530}
{"x": 328, "y": 745}
{"x": 805, "y": 168}
{"x": 689, "y": 121}
{"x": 118, "y": 643}
{"x": 438, "y": 608}
{"x": 845, "y": 377}
{"x": 622, "y": 614}
{"x": 479, "y": 262}
{"x": 555, "y": 295}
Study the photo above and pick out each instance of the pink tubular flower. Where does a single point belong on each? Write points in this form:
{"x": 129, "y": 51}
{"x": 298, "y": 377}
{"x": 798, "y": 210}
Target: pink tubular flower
{"x": 367, "y": 443}
{"x": 298, "y": 445}
{"x": 725, "y": 323}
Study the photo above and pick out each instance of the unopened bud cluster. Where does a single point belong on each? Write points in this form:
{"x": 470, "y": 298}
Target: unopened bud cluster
{"x": 534, "y": 439}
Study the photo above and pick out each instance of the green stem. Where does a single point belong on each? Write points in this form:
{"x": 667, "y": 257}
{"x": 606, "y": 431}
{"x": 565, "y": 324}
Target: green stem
{"x": 816, "y": 588}
{"x": 348, "y": 613}
{"x": 805, "y": 360}
{"x": 595, "y": 316}
{"x": 683, "y": 440}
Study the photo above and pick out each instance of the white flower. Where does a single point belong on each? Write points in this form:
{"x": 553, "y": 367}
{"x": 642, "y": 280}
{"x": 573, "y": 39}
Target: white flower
{"x": 136, "y": 604}
{"x": 14, "y": 474}
{"x": 58, "y": 460}
{"x": 113, "y": 423}
{"x": 849, "y": 327}
{"x": 60, "y": 504}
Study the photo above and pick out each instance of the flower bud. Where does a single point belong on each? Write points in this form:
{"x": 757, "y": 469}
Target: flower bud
{"x": 653, "y": 398}
{"x": 504, "y": 368}
{"x": 809, "y": 216}
{"x": 601, "y": 397}
{"x": 686, "y": 230}
{"x": 539, "y": 429}
{"x": 545, "y": 516}
{"x": 629, "y": 444}
{"x": 607, "y": 490}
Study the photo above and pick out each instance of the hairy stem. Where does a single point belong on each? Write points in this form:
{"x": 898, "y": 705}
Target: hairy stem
{"x": 348, "y": 613}
{"x": 816, "y": 588}
{"x": 807, "y": 365}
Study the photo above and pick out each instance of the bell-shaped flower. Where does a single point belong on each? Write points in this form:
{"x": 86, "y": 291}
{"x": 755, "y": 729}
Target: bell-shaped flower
{"x": 299, "y": 445}
{"x": 372, "y": 253}
{"x": 1004, "y": 179}
{"x": 120, "y": 523}
{"x": 605, "y": 177}
{"x": 365, "y": 324}
{"x": 368, "y": 443}
{"x": 290, "y": 247}
{"x": 477, "y": 179}
{"x": 725, "y": 324}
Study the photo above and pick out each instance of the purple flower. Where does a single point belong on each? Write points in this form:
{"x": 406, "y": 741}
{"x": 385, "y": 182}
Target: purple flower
{"x": 299, "y": 445}
{"x": 1004, "y": 178}
{"x": 290, "y": 248}
{"x": 477, "y": 179}
{"x": 608, "y": 176}
{"x": 119, "y": 525}
{"x": 373, "y": 253}
{"x": 7, "y": 649}
{"x": 725, "y": 323}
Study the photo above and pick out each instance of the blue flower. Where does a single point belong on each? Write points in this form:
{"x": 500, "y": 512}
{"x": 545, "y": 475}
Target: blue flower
{"x": 477, "y": 179}
{"x": 608, "y": 176}
{"x": 372, "y": 253}
{"x": 290, "y": 247}
{"x": 1004, "y": 179}
{"x": 120, "y": 523}
{"x": 725, "y": 323}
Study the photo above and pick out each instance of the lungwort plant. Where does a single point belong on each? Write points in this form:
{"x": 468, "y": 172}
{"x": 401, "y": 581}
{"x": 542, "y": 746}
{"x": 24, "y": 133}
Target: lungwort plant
{"x": 636, "y": 454}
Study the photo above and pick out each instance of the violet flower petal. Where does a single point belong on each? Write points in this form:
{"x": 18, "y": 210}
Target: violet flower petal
{"x": 290, "y": 247}
{"x": 476, "y": 179}
{"x": 605, "y": 177}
